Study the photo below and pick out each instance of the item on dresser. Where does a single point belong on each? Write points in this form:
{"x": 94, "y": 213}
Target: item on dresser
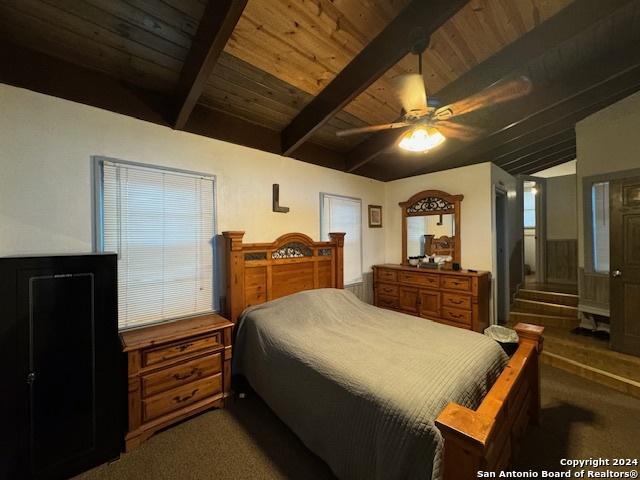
{"x": 175, "y": 370}
{"x": 60, "y": 365}
{"x": 459, "y": 299}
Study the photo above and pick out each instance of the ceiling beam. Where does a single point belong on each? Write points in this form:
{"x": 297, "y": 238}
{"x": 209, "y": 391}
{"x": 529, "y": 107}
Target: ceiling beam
{"x": 217, "y": 24}
{"x": 25, "y": 68}
{"x": 538, "y": 167}
{"x": 542, "y": 159}
{"x": 566, "y": 24}
{"x": 534, "y": 146}
{"x": 540, "y": 152}
{"x": 382, "y": 53}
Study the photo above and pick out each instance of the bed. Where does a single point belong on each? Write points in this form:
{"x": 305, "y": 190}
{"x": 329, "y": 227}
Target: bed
{"x": 374, "y": 393}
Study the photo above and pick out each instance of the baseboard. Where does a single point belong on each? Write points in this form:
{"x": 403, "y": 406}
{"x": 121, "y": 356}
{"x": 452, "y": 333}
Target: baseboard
{"x": 622, "y": 384}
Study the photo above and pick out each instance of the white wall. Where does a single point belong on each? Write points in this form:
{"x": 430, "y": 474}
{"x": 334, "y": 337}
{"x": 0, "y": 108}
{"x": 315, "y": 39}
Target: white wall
{"x": 607, "y": 141}
{"x": 474, "y": 182}
{"x": 561, "y": 208}
{"x": 46, "y": 146}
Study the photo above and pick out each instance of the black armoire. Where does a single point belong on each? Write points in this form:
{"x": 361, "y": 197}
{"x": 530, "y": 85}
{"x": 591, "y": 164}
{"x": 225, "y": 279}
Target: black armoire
{"x": 62, "y": 387}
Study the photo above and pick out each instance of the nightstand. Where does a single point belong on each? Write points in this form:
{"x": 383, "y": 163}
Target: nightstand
{"x": 175, "y": 370}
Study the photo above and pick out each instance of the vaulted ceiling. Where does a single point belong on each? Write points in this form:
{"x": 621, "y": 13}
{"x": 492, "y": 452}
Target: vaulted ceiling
{"x": 285, "y": 75}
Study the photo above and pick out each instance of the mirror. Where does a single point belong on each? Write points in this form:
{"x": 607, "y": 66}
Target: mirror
{"x": 430, "y": 235}
{"x": 431, "y": 227}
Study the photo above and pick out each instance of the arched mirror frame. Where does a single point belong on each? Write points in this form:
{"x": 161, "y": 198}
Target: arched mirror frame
{"x": 432, "y": 202}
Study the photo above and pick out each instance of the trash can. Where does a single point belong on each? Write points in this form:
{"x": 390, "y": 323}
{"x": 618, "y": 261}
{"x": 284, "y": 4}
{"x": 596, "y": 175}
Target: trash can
{"x": 506, "y": 337}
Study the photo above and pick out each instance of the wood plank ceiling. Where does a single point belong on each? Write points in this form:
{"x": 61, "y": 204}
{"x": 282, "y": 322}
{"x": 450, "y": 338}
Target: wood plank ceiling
{"x": 283, "y": 53}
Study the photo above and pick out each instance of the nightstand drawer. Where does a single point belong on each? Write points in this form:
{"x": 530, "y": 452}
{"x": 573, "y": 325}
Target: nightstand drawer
{"x": 456, "y": 315}
{"x": 388, "y": 302}
{"x": 388, "y": 290}
{"x": 181, "y": 374}
{"x": 456, "y": 283}
{"x": 159, "y": 355}
{"x": 180, "y": 397}
{"x": 387, "y": 275}
{"x": 419, "y": 279}
{"x": 456, "y": 301}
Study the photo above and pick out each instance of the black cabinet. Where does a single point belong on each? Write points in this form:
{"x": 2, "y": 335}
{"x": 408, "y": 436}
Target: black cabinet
{"x": 62, "y": 387}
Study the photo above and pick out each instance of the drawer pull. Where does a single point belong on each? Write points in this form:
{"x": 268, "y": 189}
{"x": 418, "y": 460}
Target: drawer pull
{"x": 456, "y": 315}
{"x": 455, "y": 302}
{"x": 387, "y": 290}
{"x": 179, "y": 399}
{"x": 183, "y": 347}
{"x": 184, "y": 376}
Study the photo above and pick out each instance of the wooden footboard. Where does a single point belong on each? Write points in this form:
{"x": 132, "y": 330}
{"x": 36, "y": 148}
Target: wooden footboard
{"x": 487, "y": 438}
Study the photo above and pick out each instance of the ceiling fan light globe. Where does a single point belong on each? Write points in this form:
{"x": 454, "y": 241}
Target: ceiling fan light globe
{"x": 421, "y": 139}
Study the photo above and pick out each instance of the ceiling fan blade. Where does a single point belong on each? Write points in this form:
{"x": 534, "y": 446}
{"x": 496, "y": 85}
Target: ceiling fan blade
{"x": 371, "y": 128}
{"x": 411, "y": 92}
{"x": 458, "y": 131}
{"x": 502, "y": 91}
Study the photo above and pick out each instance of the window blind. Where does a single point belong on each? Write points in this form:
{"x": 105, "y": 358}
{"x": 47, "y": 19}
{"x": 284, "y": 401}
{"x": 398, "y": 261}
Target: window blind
{"x": 344, "y": 214}
{"x": 162, "y": 225}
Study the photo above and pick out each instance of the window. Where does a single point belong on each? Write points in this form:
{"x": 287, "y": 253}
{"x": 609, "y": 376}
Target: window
{"x": 161, "y": 223}
{"x": 600, "y": 226}
{"x": 344, "y": 214}
{"x": 529, "y": 199}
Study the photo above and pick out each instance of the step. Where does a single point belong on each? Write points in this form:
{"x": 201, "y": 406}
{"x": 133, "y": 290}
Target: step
{"x": 597, "y": 375}
{"x": 544, "y": 320}
{"x": 592, "y": 352}
{"x": 548, "y": 297}
{"x": 534, "y": 306}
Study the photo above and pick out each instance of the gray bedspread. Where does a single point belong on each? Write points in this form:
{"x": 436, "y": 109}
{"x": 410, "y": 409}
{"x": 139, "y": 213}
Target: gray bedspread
{"x": 359, "y": 385}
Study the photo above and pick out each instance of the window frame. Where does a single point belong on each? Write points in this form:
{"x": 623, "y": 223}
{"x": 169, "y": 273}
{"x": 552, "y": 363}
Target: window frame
{"x": 97, "y": 172}
{"x": 359, "y": 200}
{"x": 587, "y": 213}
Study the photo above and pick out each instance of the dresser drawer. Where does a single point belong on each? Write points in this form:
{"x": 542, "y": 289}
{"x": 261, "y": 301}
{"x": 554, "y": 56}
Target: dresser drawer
{"x": 181, "y": 374}
{"x": 456, "y": 301}
{"x": 452, "y": 282}
{"x": 388, "y": 302}
{"x": 419, "y": 279}
{"x": 387, "y": 275}
{"x": 159, "y": 355}
{"x": 456, "y": 315}
{"x": 180, "y": 397}
{"x": 386, "y": 289}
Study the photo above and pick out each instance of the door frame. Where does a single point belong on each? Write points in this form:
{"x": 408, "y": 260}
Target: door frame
{"x": 501, "y": 308}
{"x": 541, "y": 222}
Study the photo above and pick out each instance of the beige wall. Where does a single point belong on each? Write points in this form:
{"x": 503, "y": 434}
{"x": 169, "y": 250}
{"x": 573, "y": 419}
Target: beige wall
{"x": 474, "y": 182}
{"x": 561, "y": 208}
{"x": 607, "y": 141}
{"x": 46, "y": 146}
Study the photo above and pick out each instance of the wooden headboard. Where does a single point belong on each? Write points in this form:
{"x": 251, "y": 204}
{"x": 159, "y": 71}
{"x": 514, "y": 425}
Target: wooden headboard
{"x": 259, "y": 272}
{"x": 443, "y": 245}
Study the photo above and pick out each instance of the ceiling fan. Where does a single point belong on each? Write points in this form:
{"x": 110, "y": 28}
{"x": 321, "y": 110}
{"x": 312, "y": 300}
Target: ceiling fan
{"x": 432, "y": 125}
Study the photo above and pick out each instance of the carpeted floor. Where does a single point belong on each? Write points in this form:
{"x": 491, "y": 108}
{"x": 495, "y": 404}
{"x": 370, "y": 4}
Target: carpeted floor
{"x": 580, "y": 419}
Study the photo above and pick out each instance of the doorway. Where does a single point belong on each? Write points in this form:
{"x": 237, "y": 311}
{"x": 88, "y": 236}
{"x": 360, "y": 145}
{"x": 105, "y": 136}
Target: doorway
{"x": 502, "y": 300}
{"x": 534, "y": 229}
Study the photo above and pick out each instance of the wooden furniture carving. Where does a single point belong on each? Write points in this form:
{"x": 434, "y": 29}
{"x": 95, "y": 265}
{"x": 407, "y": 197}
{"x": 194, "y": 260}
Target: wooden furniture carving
{"x": 175, "y": 370}
{"x": 459, "y": 299}
{"x": 487, "y": 438}
{"x": 425, "y": 204}
{"x": 259, "y": 272}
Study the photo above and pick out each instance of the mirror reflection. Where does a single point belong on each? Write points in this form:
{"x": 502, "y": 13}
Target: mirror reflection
{"x": 431, "y": 235}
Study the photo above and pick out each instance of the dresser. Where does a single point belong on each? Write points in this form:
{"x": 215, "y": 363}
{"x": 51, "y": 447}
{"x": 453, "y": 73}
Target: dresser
{"x": 460, "y": 299}
{"x": 175, "y": 370}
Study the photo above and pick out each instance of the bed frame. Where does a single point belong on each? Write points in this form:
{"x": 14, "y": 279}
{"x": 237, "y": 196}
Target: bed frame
{"x": 259, "y": 272}
{"x": 483, "y": 439}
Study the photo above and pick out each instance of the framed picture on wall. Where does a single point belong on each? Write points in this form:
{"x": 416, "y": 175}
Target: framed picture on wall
{"x": 375, "y": 216}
